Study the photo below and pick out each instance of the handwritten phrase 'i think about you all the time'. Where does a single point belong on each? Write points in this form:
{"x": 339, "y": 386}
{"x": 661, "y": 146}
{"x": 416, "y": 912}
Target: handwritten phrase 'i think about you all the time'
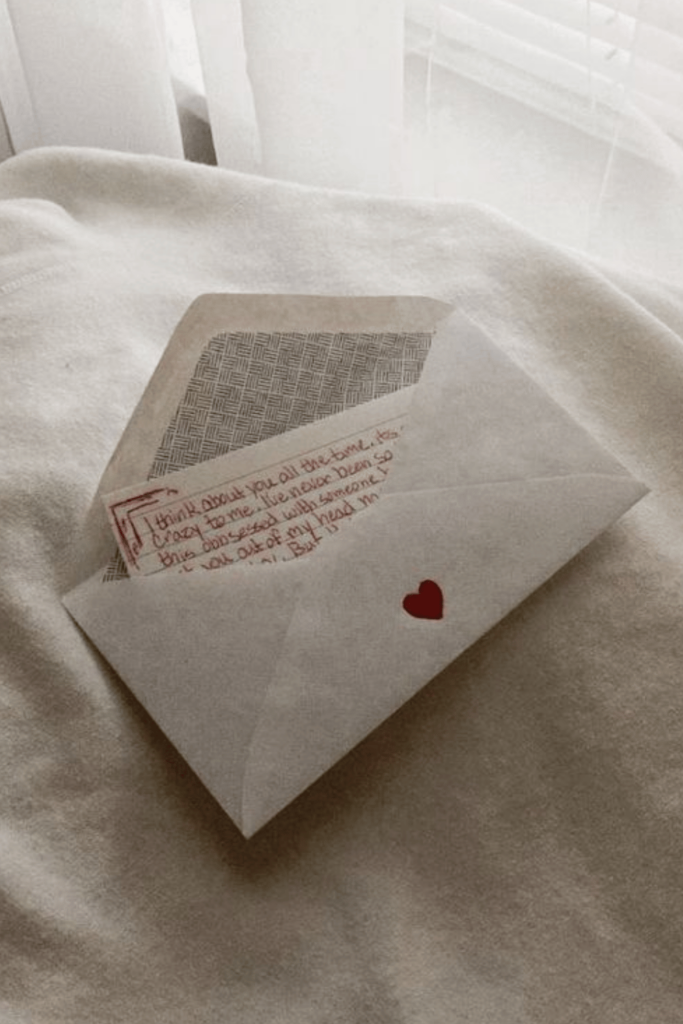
{"x": 270, "y": 502}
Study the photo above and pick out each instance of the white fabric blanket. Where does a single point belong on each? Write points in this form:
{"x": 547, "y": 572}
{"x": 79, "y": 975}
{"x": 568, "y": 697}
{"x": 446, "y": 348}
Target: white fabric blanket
{"x": 508, "y": 848}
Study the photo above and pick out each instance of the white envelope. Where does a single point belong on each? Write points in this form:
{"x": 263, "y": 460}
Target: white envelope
{"x": 263, "y": 676}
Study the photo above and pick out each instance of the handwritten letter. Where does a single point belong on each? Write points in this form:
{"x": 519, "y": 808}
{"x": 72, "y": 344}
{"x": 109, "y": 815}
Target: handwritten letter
{"x": 270, "y": 502}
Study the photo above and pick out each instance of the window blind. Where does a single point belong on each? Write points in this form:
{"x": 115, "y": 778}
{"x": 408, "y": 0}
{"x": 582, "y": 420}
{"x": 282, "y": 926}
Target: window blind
{"x": 577, "y": 59}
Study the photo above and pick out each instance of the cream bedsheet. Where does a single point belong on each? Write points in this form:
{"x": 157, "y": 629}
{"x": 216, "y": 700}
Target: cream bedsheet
{"x": 508, "y": 848}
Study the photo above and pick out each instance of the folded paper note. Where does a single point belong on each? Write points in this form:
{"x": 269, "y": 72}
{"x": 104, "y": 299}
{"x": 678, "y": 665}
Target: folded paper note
{"x": 319, "y": 503}
{"x": 269, "y": 502}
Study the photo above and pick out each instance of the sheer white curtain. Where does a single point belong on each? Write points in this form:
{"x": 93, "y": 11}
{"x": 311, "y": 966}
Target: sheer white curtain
{"x": 326, "y": 78}
{"x": 87, "y": 73}
{"x": 566, "y": 115}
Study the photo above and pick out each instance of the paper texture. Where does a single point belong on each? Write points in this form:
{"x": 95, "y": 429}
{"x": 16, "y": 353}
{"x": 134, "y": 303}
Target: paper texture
{"x": 263, "y": 675}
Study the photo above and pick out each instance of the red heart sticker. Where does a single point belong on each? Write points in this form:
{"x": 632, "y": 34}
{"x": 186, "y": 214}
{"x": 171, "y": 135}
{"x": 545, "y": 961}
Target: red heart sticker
{"x": 427, "y": 603}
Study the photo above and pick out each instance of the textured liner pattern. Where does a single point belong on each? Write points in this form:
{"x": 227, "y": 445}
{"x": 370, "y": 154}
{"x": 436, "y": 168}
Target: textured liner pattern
{"x": 248, "y": 387}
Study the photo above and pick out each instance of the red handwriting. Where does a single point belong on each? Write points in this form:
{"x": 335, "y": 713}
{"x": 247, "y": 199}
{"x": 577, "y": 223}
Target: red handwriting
{"x": 274, "y": 515}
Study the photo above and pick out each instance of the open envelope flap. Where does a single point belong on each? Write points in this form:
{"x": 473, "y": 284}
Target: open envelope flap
{"x": 212, "y": 316}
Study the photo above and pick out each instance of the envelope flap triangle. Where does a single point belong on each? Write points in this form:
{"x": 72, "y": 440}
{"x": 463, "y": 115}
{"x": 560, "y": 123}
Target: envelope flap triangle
{"x": 198, "y": 656}
{"x": 477, "y": 417}
{"x": 353, "y": 655}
